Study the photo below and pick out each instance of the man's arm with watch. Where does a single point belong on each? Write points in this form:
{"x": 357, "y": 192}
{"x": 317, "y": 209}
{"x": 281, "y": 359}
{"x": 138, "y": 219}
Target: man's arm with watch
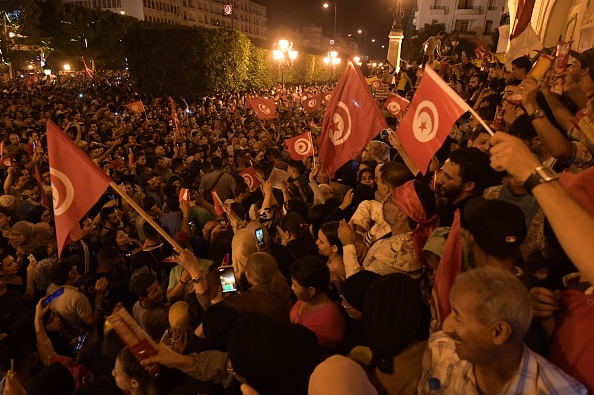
{"x": 555, "y": 142}
{"x": 572, "y": 225}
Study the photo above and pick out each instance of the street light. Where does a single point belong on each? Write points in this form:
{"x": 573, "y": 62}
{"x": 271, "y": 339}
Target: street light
{"x": 360, "y": 31}
{"x": 284, "y": 55}
{"x": 66, "y": 67}
{"x": 332, "y": 60}
{"x": 327, "y": 5}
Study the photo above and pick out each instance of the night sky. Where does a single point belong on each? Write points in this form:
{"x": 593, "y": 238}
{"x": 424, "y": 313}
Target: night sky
{"x": 374, "y": 15}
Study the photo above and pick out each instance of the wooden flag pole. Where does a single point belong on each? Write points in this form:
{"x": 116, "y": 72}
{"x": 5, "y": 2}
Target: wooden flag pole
{"x": 487, "y": 128}
{"x": 144, "y": 215}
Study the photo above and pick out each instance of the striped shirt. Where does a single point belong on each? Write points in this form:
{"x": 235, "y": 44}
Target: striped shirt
{"x": 535, "y": 375}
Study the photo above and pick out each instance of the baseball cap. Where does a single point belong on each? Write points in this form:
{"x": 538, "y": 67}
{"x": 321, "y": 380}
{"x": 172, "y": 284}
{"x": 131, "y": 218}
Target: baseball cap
{"x": 586, "y": 58}
{"x": 495, "y": 225}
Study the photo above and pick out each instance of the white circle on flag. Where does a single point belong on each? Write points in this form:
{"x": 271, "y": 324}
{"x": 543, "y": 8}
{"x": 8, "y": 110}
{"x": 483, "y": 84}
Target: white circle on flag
{"x": 341, "y": 124}
{"x": 394, "y": 108}
{"x": 264, "y": 108}
{"x": 375, "y": 84}
{"x": 426, "y": 121}
{"x": 135, "y": 108}
{"x": 327, "y": 98}
{"x": 61, "y": 205}
{"x": 249, "y": 180}
{"x": 302, "y": 146}
{"x": 312, "y": 103}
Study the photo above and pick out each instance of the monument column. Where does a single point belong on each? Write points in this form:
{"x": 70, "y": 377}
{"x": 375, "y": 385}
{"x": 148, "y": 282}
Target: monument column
{"x": 396, "y": 36}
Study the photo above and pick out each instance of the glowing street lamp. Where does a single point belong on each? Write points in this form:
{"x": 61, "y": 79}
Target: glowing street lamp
{"x": 66, "y": 67}
{"x": 327, "y": 5}
{"x": 284, "y": 56}
{"x": 332, "y": 60}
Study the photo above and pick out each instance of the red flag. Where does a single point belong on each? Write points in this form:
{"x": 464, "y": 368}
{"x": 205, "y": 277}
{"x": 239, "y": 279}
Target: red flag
{"x": 434, "y": 109}
{"x": 264, "y": 108}
{"x": 137, "y": 106}
{"x": 351, "y": 120}
{"x": 481, "y": 51}
{"x": 450, "y": 265}
{"x": 328, "y": 97}
{"x": 396, "y": 105}
{"x": 1, "y": 148}
{"x": 312, "y": 103}
{"x": 174, "y": 118}
{"x": 523, "y": 16}
{"x": 77, "y": 184}
{"x": 300, "y": 147}
{"x": 42, "y": 193}
{"x": 218, "y": 204}
{"x": 249, "y": 176}
{"x": 87, "y": 69}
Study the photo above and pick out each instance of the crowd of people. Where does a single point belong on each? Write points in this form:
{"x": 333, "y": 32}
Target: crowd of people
{"x": 304, "y": 282}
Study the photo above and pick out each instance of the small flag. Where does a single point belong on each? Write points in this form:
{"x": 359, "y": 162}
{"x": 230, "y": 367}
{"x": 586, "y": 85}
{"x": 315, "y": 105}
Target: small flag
{"x": 434, "y": 109}
{"x": 218, "y": 204}
{"x": 264, "y": 108}
{"x": 300, "y": 147}
{"x": 328, "y": 97}
{"x": 312, "y": 103}
{"x": 249, "y": 176}
{"x": 174, "y": 118}
{"x": 396, "y": 105}
{"x": 137, "y": 106}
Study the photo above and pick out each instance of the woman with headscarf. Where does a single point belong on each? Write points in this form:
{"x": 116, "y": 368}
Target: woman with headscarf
{"x": 340, "y": 375}
{"x": 396, "y": 322}
{"x": 270, "y": 294}
{"x": 26, "y": 236}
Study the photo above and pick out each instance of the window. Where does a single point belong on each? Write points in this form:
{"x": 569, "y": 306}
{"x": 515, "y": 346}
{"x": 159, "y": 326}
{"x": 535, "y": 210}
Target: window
{"x": 462, "y": 26}
{"x": 434, "y": 21}
{"x": 488, "y": 27}
{"x": 492, "y": 5}
{"x": 465, "y": 4}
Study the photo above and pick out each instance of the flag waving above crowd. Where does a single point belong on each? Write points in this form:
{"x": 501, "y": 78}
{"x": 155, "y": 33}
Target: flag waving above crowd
{"x": 396, "y": 105}
{"x": 264, "y": 108}
{"x": 352, "y": 108}
{"x": 300, "y": 147}
{"x": 312, "y": 103}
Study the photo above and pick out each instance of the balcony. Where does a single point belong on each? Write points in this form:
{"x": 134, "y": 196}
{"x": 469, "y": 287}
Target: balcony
{"x": 437, "y": 10}
{"x": 466, "y": 10}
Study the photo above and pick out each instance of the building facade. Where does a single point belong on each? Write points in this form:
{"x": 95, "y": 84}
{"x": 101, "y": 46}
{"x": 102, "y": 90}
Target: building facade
{"x": 245, "y": 16}
{"x": 465, "y": 17}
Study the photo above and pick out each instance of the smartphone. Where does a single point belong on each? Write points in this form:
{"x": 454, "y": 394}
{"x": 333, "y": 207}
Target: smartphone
{"x": 35, "y": 144}
{"x": 53, "y": 296}
{"x": 227, "y": 277}
{"x": 260, "y": 237}
{"x": 111, "y": 197}
{"x": 385, "y": 133}
{"x": 80, "y": 341}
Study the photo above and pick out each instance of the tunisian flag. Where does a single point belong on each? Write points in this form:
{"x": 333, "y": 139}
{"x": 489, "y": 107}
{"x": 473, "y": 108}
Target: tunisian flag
{"x": 77, "y": 184}
{"x": 311, "y": 103}
{"x": 434, "y": 109}
{"x": 523, "y": 16}
{"x": 396, "y": 105}
{"x": 174, "y": 118}
{"x": 137, "y": 106}
{"x": 300, "y": 147}
{"x": 450, "y": 265}
{"x": 328, "y": 97}
{"x": 250, "y": 178}
{"x": 264, "y": 108}
{"x": 351, "y": 120}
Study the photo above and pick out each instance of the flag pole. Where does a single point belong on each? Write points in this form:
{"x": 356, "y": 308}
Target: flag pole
{"x": 144, "y": 215}
{"x": 487, "y": 128}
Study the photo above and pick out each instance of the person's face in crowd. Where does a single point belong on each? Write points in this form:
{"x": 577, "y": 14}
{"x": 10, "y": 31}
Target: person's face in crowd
{"x": 132, "y": 140}
{"x": 141, "y": 160}
{"x": 473, "y": 84}
{"x": 122, "y": 380}
{"x": 9, "y": 266}
{"x": 154, "y": 293}
{"x": 14, "y": 139}
{"x": 17, "y": 237}
{"x": 481, "y": 142}
{"x": 159, "y": 151}
{"x": 509, "y": 91}
{"x": 517, "y": 73}
{"x": 4, "y": 221}
{"x": 33, "y": 195}
{"x": 231, "y": 162}
{"x": 88, "y": 228}
{"x": 492, "y": 73}
{"x": 328, "y": 193}
{"x": 350, "y": 310}
{"x": 367, "y": 178}
{"x": 106, "y": 166}
{"x": 22, "y": 180}
{"x": 392, "y": 214}
{"x": 302, "y": 293}
{"x": 515, "y": 185}
{"x": 46, "y": 216}
{"x": 119, "y": 151}
{"x": 324, "y": 246}
{"x": 129, "y": 189}
{"x": 114, "y": 219}
{"x": 251, "y": 133}
{"x": 203, "y": 140}
{"x": 449, "y": 182}
{"x": 235, "y": 140}
{"x": 472, "y": 337}
{"x": 122, "y": 238}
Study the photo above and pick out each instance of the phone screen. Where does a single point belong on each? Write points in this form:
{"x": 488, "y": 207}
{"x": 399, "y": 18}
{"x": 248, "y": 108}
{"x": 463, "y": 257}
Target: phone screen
{"x": 80, "y": 341}
{"x": 53, "y": 296}
{"x": 260, "y": 236}
{"x": 227, "y": 277}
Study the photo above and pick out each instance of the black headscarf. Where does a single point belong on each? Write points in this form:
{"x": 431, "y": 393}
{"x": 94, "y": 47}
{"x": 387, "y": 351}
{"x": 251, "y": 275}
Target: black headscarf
{"x": 274, "y": 357}
{"x": 355, "y": 288}
{"x": 393, "y": 315}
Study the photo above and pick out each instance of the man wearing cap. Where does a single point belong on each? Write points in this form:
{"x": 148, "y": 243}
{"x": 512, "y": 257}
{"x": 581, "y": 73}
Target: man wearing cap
{"x": 481, "y": 348}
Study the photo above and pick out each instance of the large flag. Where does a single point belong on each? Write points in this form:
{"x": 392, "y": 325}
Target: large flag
{"x": 137, "y": 106}
{"x": 264, "y": 108}
{"x": 87, "y": 69}
{"x": 523, "y": 16}
{"x": 396, "y": 105}
{"x": 434, "y": 109}
{"x": 174, "y": 118}
{"x": 450, "y": 265}
{"x": 77, "y": 184}
{"x": 300, "y": 147}
{"x": 351, "y": 120}
{"x": 250, "y": 178}
{"x": 311, "y": 103}
{"x": 526, "y": 44}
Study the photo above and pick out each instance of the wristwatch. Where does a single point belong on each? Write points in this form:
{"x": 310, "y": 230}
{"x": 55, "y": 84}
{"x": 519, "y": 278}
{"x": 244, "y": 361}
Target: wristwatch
{"x": 540, "y": 175}
{"x": 537, "y": 114}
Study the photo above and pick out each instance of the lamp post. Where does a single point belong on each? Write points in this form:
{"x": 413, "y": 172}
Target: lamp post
{"x": 360, "y": 31}
{"x": 284, "y": 56}
{"x": 332, "y": 60}
{"x": 327, "y": 5}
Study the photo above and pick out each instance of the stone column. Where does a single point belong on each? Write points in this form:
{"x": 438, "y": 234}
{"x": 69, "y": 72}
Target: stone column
{"x": 396, "y": 36}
